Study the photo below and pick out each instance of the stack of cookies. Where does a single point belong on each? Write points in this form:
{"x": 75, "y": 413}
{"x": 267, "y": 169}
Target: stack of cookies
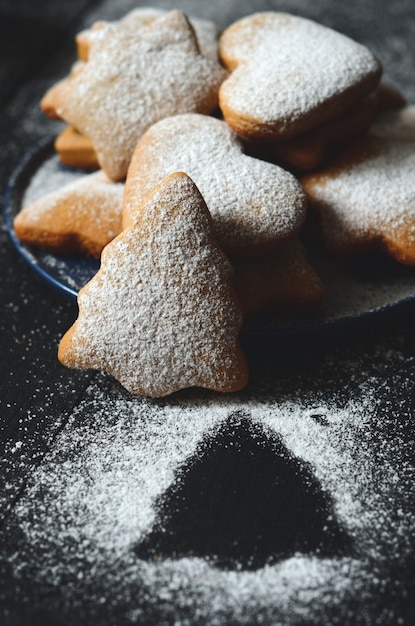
{"x": 208, "y": 150}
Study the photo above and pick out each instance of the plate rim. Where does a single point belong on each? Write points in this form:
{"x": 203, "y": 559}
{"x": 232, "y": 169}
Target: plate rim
{"x": 21, "y": 176}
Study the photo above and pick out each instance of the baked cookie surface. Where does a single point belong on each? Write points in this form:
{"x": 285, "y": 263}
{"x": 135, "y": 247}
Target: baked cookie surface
{"x": 78, "y": 218}
{"x": 129, "y": 82}
{"x": 284, "y": 282}
{"x": 290, "y": 74}
{"x": 206, "y": 31}
{"x": 366, "y": 199}
{"x": 255, "y": 206}
{"x": 76, "y": 150}
{"x": 161, "y": 314}
{"x": 313, "y": 149}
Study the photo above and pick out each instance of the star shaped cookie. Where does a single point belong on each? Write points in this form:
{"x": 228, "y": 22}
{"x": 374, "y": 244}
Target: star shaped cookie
{"x": 129, "y": 82}
{"x": 78, "y": 218}
{"x": 206, "y": 31}
{"x": 365, "y": 201}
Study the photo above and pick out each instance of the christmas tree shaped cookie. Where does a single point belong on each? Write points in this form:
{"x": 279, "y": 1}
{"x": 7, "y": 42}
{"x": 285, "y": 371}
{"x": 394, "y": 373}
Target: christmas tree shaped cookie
{"x": 161, "y": 313}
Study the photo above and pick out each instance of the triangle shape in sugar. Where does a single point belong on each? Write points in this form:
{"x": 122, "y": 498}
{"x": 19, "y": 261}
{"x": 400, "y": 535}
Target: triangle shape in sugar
{"x": 244, "y": 501}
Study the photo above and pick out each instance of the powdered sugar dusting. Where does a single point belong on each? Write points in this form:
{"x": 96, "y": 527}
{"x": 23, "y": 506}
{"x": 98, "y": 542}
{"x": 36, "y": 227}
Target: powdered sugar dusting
{"x": 143, "y": 79}
{"x": 49, "y": 177}
{"x": 93, "y": 196}
{"x": 254, "y": 205}
{"x": 287, "y": 68}
{"x": 350, "y": 291}
{"x": 97, "y": 491}
{"x": 206, "y": 30}
{"x": 160, "y": 314}
{"x": 79, "y": 217}
{"x": 71, "y": 540}
{"x": 372, "y": 199}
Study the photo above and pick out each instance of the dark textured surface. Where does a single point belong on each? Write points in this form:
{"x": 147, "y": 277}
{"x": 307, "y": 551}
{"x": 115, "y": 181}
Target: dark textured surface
{"x": 58, "y": 425}
{"x": 271, "y": 480}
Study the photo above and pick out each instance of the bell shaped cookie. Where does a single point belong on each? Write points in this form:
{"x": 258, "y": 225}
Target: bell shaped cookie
{"x": 161, "y": 313}
{"x": 255, "y": 206}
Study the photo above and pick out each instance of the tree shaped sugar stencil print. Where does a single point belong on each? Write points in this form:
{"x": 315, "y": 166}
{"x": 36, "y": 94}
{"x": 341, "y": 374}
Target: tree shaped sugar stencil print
{"x": 243, "y": 501}
{"x": 161, "y": 314}
{"x": 136, "y": 483}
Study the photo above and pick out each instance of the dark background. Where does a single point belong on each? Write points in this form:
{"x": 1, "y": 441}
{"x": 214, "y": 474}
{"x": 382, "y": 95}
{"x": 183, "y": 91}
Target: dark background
{"x": 39, "y": 398}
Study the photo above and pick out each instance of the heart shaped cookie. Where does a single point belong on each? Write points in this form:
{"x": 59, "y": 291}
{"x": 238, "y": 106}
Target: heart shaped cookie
{"x": 290, "y": 74}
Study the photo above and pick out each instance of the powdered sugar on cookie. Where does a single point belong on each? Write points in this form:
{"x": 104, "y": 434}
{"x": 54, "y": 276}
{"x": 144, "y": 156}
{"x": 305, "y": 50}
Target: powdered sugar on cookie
{"x": 161, "y": 313}
{"x": 79, "y": 217}
{"x": 366, "y": 200}
{"x": 290, "y": 74}
{"x": 255, "y": 206}
{"x": 206, "y": 30}
{"x": 130, "y": 82}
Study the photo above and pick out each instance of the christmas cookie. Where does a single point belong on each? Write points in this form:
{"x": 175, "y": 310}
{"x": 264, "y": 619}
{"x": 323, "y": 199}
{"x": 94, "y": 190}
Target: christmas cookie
{"x": 256, "y": 206}
{"x": 161, "y": 313}
{"x": 206, "y": 31}
{"x": 76, "y": 150}
{"x": 130, "y": 82}
{"x": 309, "y": 151}
{"x": 312, "y": 149}
{"x": 51, "y": 103}
{"x": 79, "y": 218}
{"x": 284, "y": 282}
{"x": 365, "y": 200}
{"x": 290, "y": 75}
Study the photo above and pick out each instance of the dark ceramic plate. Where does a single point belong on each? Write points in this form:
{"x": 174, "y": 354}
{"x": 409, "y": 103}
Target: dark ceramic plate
{"x": 356, "y": 288}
